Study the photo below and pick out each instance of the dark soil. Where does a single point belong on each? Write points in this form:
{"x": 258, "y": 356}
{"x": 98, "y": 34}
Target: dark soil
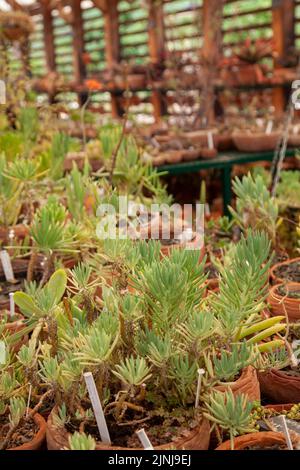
{"x": 25, "y": 432}
{"x": 7, "y": 287}
{"x": 160, "y": 430}
{"x": 274, "y": 447}
{"x": 289, "y": 272}
{"x": 291, "y": 293}
{"x": 212, "y": 271}
{"x": 279, "y": 257}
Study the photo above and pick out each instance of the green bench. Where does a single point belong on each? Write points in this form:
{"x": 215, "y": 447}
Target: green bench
{"x": 225, "y": 163}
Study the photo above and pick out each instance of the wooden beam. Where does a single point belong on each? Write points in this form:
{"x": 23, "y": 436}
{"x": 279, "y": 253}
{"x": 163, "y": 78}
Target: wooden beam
{"x": 212, "y": 15}
{"x": 112, "y": 48}
{"x": 48, "y": 37}
{"x": 78, "y": 47}
{"x": 284, "y": 39}
{"x": 156, "y": 41}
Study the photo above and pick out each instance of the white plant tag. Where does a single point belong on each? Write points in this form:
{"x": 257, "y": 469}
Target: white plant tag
{"x": 210, "y": 140}
{"x": 144, "y": 439}
{"x": 2, "y": 352}
{"x": 286, "y": 432}
{"x": 97, "y": 407}
{"x": 201, "y": 372}
{"x": 269, "y": 127}
{"x": 7, "y": 266}
{"x": 11, "y": 305}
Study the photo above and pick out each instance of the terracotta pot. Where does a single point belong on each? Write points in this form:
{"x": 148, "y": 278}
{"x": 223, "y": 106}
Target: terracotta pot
{"x": 190, "y": 155}
{"x": 38, "y": 440}
{"x": 20, "y": 232}
{"x": 159, "y": 160}
{"x": 208, "y": 153}
{"x": 280, "y": 408}
{"x": 294, "y": 140}
{"x": 258, "y": 142}
{"x": 247, "y": 384}
{"x": 200, "y": 137}
{"x": 197, "y": 439}
{"x": 279, "y": 387}
{"x": 167, "y": 249}
{"x": 173, "y": 156}
{"x": 278, "y": 280}
{"x": 260, "y": 439}
{"x": 225, "y": 142}
{"x": 282, "y": 305}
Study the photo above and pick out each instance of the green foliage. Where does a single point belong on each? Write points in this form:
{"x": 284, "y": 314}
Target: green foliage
{"x": 59, "y": 149}
{"x": 81, "y": 441}
{"x": 231, "y": 363}
{"x": 288, "y": 189}
{"x": 17, "y": 408}
{"x": 46, "y": 299}
{"x": 232, "y": 413}
{"x": 243, "y": 285}
{"x": 133, "y": 371}
{"x": 49, "y": 230}
{"x": 172, "y": 288}
{"x": 255, "y": 207}
{"x": 76, "y": 191}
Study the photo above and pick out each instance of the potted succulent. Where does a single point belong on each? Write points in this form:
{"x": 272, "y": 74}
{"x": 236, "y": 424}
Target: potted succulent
{"x": 288, "y": 271}
{"x": 21, "y": 428}
{"x": 284, "y": 299}
{"x": 129, "y": 397}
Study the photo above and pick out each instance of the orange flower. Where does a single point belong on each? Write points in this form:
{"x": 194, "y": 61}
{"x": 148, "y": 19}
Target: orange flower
{"x": 93, "y": 85}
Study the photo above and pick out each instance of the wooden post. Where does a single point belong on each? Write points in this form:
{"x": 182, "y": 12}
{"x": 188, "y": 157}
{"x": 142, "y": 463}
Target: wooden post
{"x": 78, "y": 47}
{"x": 112, "y": 48}
{"x": 284, "y": 38}
{"x": 211, "y": 51}
{"x": 156, "y": 41}
{"x": 49, "y": 42}
{"x": 48, "y": 36}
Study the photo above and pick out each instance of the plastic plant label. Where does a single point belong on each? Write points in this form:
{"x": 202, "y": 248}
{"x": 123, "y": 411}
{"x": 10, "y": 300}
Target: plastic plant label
{"x": 7, "y": 266}
{"x": 97, "y": 408}
{"x": 2, "y": 352}
{"x": 144, "y": 440}
{"x": 11, "y": 305}
{"x": 269, "y": 127}
{"x": 210, "y": 140}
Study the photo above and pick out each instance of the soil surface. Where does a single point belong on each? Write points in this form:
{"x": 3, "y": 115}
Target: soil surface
{"x": 24, "y": 433}
{"x": 212, "y": 271}
{"x": 291, "y": 293}
{"x": 274, "y": 447}
{"x": 289, "y": 272}
{"x": 160, "y": 430}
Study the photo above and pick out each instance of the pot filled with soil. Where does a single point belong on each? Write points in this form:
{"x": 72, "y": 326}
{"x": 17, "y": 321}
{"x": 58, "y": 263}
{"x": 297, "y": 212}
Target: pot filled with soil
{"x": 288, "y": 271}
{"x": 258, "y": 142}
{"x": 284, "y": 299}
{"x": 257, "y": 441}
{"x": 124, "y": 438}
{"x": 29, "y": 434}
{"x": 246, "y": 384}
{"x": 280, "y": 386}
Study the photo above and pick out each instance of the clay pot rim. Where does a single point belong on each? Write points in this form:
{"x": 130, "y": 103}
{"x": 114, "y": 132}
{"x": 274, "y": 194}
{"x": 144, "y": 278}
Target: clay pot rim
{"x": 38, "y": 438}
{"x": 257, "y": 437}
{"x": 101, "y": 446}
{"x": 237, "y": 383}
{"x": 279, "y": 280}
{"x": 277, "y": 296}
